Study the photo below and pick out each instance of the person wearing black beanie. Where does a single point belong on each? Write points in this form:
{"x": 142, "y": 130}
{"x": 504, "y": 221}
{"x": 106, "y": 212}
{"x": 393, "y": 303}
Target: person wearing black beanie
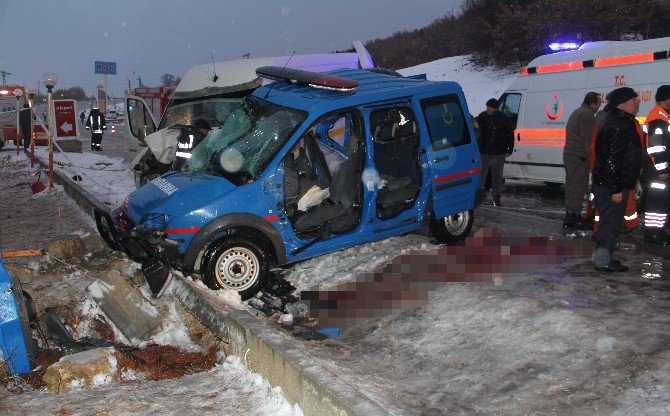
{"x": 656, "y": 183}
{"x": 618, "y": 160}
{"x": 496, "y": 142}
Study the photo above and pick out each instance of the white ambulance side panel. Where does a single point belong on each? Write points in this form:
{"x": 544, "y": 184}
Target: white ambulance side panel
{"x": 540, "y": 134}
{"x": 645, "y": 78}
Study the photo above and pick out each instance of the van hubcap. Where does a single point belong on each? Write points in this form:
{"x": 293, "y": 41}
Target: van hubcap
{"x": 237, "y": 268}
{"x": 457, "y": 223}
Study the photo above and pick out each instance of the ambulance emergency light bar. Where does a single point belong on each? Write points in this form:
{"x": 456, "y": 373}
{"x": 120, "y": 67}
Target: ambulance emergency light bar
{"x": 309, "y": 78}
{"x": 565, "y": 46}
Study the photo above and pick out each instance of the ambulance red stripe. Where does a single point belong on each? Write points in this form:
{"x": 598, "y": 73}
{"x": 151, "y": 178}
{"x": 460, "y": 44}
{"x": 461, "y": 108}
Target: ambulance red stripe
{"x": 598, "y": 63}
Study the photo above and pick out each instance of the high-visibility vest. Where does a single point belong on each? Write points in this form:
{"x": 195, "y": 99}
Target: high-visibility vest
{"x": 657, "y": 138}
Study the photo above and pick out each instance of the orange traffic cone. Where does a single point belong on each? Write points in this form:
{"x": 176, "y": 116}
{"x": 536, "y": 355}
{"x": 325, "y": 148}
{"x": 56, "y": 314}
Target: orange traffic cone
{"x": 113, "y": 129}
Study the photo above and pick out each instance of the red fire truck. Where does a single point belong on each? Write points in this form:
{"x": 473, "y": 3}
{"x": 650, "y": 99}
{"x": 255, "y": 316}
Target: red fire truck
{"x": 155, "y": 97}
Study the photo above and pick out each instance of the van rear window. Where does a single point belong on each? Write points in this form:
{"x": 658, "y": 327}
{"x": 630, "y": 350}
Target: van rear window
{"x": 446, "y": 122}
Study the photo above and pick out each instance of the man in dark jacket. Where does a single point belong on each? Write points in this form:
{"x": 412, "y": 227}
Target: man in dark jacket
{"x": 576, "y": 155}
{"x": 187, "y": 140}
{"x": 24, "y": 123}
{"x": 496, "y": 142}
{"x": 96, "y": 124}
{"x": 618, "y": 160}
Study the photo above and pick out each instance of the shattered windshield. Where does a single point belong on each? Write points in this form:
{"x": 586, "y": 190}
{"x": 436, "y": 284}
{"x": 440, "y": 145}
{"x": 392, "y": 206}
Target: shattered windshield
{"x": 247, "y": 141}
{"x": 215, "y": 111}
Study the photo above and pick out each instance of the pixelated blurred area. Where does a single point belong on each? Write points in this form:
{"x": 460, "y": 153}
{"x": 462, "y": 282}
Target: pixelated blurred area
{"x": 408, "y": 280}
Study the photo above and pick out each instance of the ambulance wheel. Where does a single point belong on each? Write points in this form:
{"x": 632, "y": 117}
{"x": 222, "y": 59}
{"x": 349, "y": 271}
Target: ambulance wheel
{"x": 452, "y": 228}
{"x": 236, "y": 263}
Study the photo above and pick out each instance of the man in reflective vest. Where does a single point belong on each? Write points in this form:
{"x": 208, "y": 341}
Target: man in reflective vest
{"x": 657, "y": 173}
{"x": 187, "y": 140}
{"x": 96, "y": 124}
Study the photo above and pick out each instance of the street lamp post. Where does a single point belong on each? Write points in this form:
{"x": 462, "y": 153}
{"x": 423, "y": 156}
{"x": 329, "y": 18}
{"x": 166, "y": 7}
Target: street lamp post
{"x": 31, "y": 95}
{"x": 18, "y": 93}
{"x": 50, "y": 80}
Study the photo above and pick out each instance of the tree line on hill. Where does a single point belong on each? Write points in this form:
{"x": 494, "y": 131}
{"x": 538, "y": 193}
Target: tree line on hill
{"x": 72, "y": 93}
{"x": 513, "y": 32}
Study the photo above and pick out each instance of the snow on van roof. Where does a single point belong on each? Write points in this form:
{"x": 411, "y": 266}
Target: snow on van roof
{"x": 240, "y": 74}
{"x": 594, "y": 50}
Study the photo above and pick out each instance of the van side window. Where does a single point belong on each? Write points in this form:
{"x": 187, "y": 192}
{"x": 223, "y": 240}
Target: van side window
{"x": 446, "y": 122}
{"x": 509, "y": 105}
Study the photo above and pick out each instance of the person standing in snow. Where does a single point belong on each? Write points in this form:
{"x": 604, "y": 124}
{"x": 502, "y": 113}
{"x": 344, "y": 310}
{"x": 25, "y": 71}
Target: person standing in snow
{"x": 657, "y": 170}
{"x": 496, "y": 144}
{"x": 24, "y": 123}
{"x": 618, "y": 160}
{"x": 96, "y": 124}
{"x": 82, "y": 117}
{"x": 576, "y": 154}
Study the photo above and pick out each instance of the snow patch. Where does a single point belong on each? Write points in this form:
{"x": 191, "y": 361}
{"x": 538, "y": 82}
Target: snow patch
{"x": 175, "y": 332}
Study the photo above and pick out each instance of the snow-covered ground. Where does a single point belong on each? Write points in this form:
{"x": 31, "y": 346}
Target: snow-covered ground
{"x": 227, "y": 389}
{"x": 108, "y": 179}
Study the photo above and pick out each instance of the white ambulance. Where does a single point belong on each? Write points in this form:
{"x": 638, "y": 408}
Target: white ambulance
{"x": 540, "y": 100}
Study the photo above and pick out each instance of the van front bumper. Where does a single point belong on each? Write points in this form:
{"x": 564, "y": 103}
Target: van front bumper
{"x": 139, "y": 245}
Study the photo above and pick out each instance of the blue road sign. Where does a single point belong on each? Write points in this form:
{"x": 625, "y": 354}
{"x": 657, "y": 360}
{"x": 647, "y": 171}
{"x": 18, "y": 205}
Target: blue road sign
{"x": 108, "y": 68}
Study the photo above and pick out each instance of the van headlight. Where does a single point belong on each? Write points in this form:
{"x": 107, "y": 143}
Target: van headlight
{"x": 154, "y": 222}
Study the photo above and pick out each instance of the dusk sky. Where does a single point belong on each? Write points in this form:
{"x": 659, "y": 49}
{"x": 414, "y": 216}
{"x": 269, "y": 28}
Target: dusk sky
{"x": 151, "y": 38}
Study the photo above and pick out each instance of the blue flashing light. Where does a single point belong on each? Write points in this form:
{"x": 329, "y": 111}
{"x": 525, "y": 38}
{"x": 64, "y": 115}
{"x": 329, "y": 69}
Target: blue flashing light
{"x": 564, "y": 46}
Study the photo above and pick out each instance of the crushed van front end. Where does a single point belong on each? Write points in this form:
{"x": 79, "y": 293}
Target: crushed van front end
{"x": 138, "y": 242}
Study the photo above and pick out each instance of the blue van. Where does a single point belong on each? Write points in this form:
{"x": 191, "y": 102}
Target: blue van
{"x": 310, "y": 164}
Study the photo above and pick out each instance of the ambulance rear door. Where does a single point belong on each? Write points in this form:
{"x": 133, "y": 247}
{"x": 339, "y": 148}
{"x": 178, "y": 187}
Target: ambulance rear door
{"x": 511, "y": 104}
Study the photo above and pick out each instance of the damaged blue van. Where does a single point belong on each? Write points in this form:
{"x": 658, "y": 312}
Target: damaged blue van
{"x": 310, "y": 164}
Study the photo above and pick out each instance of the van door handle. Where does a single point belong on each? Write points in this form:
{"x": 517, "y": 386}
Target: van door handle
{"x": 439, "y": 159}
{"x": 518, "y": 137}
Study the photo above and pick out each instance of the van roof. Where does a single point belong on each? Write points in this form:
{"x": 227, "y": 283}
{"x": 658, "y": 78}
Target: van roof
{"x": 372, "y": 87}
{"x": 240, "y": 74}
{"x": 594, "y": 50}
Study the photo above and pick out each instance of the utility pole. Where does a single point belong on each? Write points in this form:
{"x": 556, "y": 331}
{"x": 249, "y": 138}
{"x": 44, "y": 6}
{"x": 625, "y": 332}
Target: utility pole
{"x": 4, "y": 74}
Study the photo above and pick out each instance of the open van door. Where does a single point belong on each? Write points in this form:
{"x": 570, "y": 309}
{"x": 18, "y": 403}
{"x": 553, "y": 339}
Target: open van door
{"x": 455, "y": 179}
{"x": 140, "y": 121}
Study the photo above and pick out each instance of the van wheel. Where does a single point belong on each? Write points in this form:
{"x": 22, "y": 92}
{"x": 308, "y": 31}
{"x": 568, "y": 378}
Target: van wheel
{"x": 452, "y": 228}
{"x": 236, "y": 263}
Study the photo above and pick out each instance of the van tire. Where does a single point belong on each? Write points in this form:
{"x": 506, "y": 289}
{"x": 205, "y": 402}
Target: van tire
{"x": 452, "y": 228}
{"x": 236, "y": 263}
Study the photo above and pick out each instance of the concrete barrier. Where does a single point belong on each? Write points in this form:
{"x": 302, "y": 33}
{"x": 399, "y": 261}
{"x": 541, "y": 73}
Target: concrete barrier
{"x": 276, "y": 356}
